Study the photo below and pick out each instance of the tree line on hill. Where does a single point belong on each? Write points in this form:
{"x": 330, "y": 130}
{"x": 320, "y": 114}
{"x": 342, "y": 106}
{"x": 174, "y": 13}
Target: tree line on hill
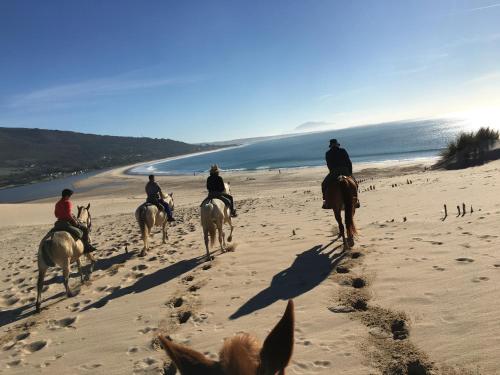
{"x": 29, "y": 155}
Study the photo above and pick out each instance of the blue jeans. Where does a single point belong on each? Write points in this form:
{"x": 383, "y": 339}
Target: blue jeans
{"x": 165, "y": 205}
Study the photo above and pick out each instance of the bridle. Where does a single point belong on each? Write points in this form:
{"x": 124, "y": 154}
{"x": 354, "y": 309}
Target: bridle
{"x": 87, "y": 224}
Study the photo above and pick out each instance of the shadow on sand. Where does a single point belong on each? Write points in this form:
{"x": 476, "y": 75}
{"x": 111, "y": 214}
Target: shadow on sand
{"x": 307, "y": 271}
{"x": 150, "y": 281}
{"x": 14, "y": 315}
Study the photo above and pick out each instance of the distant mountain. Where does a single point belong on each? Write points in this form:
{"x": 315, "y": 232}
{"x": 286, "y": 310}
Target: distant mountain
{"x": 28, "y": 155}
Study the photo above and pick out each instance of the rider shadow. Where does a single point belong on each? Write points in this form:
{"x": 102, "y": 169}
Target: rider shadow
{"x": 152, "y": 280}
{"x": 307, "y": 271}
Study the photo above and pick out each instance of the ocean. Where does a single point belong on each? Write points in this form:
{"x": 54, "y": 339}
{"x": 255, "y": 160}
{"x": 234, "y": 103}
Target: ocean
{"x": 396, "y": 141}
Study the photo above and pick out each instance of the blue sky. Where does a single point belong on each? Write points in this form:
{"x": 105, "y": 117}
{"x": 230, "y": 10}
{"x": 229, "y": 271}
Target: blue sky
{"x": 214, "y": 70}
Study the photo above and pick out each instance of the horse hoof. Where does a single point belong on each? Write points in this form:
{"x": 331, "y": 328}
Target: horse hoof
{"x": 70, "y": 294}
{"x": 37, "y": 308}
{"x": 142, "y": 253}
{"x": 229, "y": 239}
{"x": 350, "y": 242}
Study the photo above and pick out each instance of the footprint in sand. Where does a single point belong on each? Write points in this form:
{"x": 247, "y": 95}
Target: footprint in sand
{"x": 132, "y": 350}
{"x": 469, "y": 260}
{"x": 437, "y": 268}
{"x": 479, "y": 279}
{"x": 188, "y": 278}
{"x": 35, "y": 346}
{"x": 184, "y": 316}
{"x": 139, "y": 267}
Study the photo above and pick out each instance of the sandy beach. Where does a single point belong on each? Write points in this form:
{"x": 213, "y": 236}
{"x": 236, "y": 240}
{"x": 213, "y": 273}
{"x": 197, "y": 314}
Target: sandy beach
{"x": 417, "y": 294}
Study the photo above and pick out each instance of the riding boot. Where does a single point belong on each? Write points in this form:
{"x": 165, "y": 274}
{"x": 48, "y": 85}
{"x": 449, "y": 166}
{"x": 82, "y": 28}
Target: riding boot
{"x": 87, "y": 246}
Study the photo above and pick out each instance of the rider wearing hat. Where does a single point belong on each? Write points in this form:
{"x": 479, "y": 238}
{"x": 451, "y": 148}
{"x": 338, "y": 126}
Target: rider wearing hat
{"x": 216, "y": 189}
{"x": 339, "y": 164}
{"x": 67, "y": 222}
{"x": 155, "y": 196}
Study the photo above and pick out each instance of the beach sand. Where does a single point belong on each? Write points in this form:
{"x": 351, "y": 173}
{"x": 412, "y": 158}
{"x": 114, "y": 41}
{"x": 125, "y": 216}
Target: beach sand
{"x": 424, "y": 290}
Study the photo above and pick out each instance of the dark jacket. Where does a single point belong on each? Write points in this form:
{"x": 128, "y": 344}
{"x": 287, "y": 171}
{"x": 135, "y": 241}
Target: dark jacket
{"x": 338, "y": 161}
{"x": 215, "y": 184}
{"x": 153, "y": 191}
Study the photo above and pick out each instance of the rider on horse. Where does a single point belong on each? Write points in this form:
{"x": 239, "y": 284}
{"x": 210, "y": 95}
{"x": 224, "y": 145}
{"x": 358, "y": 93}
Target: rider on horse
{"x": 67, "y": 222}
{"x": 155, "y": 196}
{"x": 339, "y": 164}
{"x": 216, "y": 189}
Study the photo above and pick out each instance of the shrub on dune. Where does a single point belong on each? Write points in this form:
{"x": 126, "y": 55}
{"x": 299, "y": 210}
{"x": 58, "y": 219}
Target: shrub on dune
{"x": 469, "y": 148}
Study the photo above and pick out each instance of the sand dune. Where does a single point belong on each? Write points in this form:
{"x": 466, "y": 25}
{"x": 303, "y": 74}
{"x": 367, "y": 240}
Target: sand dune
{"x": 417, "y": 294}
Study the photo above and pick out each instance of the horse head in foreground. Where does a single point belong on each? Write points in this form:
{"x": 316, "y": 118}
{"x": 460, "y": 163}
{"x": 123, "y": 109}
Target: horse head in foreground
{"x": 148, "y": 216}
{"x": 60, "y": 248}
{"x": 214, "y": 214}
{"x": 241, "y": 354}
{"x": 341, "y": 195}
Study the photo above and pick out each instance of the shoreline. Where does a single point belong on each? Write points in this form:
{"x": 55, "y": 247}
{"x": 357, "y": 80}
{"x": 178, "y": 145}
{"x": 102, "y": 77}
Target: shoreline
{"x": 121, "y": 176}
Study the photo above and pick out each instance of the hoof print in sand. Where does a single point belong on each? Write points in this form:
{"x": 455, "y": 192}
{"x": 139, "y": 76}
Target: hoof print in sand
{"x": 184, "y": 316}
{"x": 463, "y": 260}
{"x": 35, "y": 346}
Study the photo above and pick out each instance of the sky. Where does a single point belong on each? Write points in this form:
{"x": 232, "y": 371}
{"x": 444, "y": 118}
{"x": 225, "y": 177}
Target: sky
{"x": 209, "y": 70}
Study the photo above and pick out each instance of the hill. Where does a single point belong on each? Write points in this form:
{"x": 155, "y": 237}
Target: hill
{"x": 28, "y": 155}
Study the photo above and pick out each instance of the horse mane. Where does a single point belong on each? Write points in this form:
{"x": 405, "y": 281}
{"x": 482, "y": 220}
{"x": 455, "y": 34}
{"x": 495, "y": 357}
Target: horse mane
{"x": 240, "y": 352}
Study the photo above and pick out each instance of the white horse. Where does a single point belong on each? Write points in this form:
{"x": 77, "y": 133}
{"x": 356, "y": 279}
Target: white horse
{"x": 62, "y": 250}
{"x": 214, "y": 214}
{"x": 148, "y": 216}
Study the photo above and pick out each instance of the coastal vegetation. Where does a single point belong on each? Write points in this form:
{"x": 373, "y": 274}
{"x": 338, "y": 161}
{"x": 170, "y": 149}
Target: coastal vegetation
{"x": 29, "y": 155}
{"x": 470, "y": 148}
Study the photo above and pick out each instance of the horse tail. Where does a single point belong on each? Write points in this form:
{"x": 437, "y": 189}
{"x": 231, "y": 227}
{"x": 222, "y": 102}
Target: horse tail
{"x": 348, "y": 207}
{"x": 141, "y": 219}
{"x": 207, "y": 222}
{"x": 44, "y": 253}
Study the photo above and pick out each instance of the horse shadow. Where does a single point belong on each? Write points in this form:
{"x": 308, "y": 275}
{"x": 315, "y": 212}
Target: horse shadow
{"x": 152, "y": 280}
{"x": 306, "y": 272}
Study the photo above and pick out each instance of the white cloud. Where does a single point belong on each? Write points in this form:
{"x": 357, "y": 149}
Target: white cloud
{"x": 485, "y": 78}
{"x": 62, "y": 95}
{"x": 483, "y": 7}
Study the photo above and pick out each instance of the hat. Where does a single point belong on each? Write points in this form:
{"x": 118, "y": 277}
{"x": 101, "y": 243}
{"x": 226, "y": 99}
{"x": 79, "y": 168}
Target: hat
{"x": 67, "y": 193}
{"x": 214, "y": 169}
{"x": 334, "y": 142}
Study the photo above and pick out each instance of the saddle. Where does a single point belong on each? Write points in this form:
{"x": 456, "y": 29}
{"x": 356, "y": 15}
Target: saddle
{"x": 210, "y": 198}
{"x": 158, "y": 205}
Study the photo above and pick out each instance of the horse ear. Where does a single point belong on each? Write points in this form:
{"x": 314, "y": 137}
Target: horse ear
{"x": 171, "y": 194}
{"x": 188, "y": 361}
{"x": 88, "y": 207}
{"x": 278, "y": 346}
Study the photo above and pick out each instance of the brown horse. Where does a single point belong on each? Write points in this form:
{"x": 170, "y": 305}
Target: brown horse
{"x": 341, "y": 195}
{"x": 241, "y": 354}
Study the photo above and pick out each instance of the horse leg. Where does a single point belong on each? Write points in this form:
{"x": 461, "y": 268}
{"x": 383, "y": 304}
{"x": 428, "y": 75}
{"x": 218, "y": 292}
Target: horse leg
{"x": 41, "y": 276}
{"x": 164, "y": 231}
{"x": 79, "y": 265}
{"x": 145, "y": 238}
{"x": 66, "y": 269}
{"x": 92, "y": 264}
{"x": 230, "y": 238}
{"x": 221, "y": 237}
{"x": 338, "y": 217}
{"x": 205, "y": 237}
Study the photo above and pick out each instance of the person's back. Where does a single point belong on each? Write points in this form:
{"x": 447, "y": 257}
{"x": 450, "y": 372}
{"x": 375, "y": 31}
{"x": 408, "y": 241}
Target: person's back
{"x": 155, "y": 196}
{"x": 216, "y": 189}
{"x": 215, "y": 184}
{"x": 338, "y": 161}
{"x": 153, "y": 190}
